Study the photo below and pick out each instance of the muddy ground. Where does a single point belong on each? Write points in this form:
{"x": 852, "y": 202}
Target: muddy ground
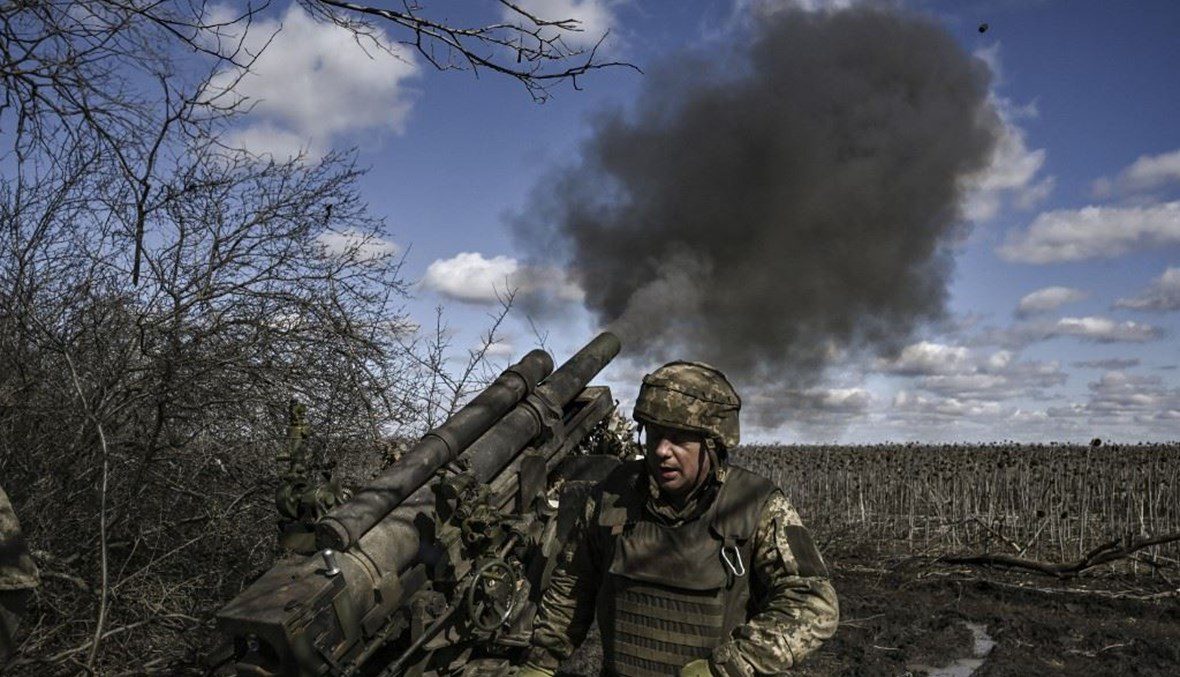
{"x": 914, "y": 616}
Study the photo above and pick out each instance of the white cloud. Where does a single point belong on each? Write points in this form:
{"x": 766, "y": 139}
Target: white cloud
{"x": 1147, "y": 173}
{"x": 501, "y": 349}
{"x": 1090, "y": 328}
{"x": 1049, "y": 298}
{"x": 1027, "y": 416}
{"x": 992, "y": 405}
{"x": 1014, "y": 170}
{"x": 957, "y": 373}
{"x": 999, "y": 360}
{"x": 1093, "y": 232}
{"x": 312, "y": 84}
{"x": 926, "y": 358}
{"x": 990, "y": 55}
{"x": 266, "y": 140}
{"x": 768, "y": 7}
{"x": 1118, "y": 397}
{"x": 1035, "y": 194}
{"x": 1113, "y": 363}
{"x": 471, "y": 278}
{"x": 943, "y": 407}
{"x": 932, "y": 419}
{"x": 1162, "y": 295}
{"x": 1120, "y": 392}
{"x": 997, "y": 379}
{"x": 1103, "y": 330}
{"x": 747, "y": 13}
{"x": 358, "y": 246}
{"x": 594, "y": 19}
{"x": 973, "y": 386}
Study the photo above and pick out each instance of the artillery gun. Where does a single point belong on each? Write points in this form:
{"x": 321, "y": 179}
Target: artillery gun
{"x": 437, "y": 566}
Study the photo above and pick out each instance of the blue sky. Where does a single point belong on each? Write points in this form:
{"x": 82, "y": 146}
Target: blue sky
{"x": 1065, "y": 296}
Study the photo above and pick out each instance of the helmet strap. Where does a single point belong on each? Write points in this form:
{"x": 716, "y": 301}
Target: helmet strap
{"x": 711, "y": 449}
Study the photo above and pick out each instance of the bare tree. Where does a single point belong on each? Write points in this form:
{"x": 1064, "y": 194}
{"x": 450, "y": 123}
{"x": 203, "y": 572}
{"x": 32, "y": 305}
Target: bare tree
{"x": 103, "y": 73}
{"x": 139, "y": 422}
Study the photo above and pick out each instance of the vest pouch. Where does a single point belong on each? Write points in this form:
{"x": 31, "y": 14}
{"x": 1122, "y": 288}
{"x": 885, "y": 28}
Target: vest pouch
{"x": 686, "y": 557}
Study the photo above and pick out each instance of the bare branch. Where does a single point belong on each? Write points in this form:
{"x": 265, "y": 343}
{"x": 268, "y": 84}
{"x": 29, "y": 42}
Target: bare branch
{"x": 531, "y": 51}
{"x": 1105, "y": 553}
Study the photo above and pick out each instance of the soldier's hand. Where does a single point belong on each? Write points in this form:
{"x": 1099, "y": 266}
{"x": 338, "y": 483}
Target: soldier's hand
{"x": 530, "y": 671}
{"x": 697, "y": 668}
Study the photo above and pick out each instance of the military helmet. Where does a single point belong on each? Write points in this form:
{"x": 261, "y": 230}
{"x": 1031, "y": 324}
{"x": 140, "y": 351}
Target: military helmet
{"x": 690, "y": 396}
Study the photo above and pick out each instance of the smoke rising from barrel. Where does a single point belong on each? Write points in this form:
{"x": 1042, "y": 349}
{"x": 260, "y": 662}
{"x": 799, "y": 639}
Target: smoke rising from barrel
{"x": 767, "y": 209}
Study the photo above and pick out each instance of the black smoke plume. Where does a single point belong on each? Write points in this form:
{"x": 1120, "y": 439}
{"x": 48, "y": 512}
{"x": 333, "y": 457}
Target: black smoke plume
{"x": 770, "y": 209}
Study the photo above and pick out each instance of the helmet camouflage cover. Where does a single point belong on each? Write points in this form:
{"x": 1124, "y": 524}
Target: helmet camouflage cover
{"x": 690, "y": 396}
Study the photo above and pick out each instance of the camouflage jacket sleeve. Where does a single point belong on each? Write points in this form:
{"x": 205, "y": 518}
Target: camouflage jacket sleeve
{"x": 17, "y": 570}
{"x": 800, "y": 610}
{"x": 567, "y": 606}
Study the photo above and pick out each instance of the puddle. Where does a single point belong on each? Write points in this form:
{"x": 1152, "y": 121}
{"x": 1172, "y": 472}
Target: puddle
{"x": 964, "y": 667}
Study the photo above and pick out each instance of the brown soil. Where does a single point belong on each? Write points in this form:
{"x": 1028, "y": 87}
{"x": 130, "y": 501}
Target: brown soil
{"x": 899, "y": 617}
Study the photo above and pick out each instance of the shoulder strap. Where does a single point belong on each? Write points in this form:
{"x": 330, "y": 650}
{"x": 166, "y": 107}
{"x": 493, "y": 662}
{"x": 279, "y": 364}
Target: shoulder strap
{"x": 739, "y": 505}
{"x": 621, "y": 495}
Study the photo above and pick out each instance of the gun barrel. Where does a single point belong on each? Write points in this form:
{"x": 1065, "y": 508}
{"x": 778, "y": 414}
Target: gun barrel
{"x": 497, "y": 447}
{"x": 344, "y": 526}
{"x": 395, "y": 543}
{"x": 392, "y": 545}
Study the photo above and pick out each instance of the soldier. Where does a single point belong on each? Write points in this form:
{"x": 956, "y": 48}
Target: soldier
{"x": 18, "y": 576}
{"x": 691, "y": 565}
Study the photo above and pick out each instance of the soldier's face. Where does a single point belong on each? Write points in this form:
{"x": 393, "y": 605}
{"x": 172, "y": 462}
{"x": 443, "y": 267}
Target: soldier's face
{"x": 675, "y": 459}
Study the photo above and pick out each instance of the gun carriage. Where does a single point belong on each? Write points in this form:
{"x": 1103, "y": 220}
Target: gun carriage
{"x": 436, "y": 567}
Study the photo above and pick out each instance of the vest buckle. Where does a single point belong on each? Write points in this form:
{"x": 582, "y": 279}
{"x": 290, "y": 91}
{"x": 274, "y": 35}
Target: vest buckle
{"x": 739, "y": 569}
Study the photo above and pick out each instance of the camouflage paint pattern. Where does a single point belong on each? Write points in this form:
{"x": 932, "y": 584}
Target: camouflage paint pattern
{"x": 17, "y": 571}
{"x": 691, "y": 396}
{"x": 18, "y": 575}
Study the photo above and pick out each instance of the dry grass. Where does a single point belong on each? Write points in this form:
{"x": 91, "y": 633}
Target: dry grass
{"x": 1052, "y": 502}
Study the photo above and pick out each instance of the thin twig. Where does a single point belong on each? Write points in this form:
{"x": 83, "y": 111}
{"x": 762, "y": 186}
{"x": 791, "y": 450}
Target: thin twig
{"x": 102, "y": 514}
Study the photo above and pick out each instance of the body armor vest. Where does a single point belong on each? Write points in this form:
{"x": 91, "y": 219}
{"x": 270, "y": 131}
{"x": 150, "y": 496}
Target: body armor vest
{"x": 671, "y": 594}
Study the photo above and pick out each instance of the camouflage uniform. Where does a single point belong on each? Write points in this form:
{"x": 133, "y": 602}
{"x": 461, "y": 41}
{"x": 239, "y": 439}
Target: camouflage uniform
{"x": 730, "y": 576}
{"x": 18, "y": 575}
